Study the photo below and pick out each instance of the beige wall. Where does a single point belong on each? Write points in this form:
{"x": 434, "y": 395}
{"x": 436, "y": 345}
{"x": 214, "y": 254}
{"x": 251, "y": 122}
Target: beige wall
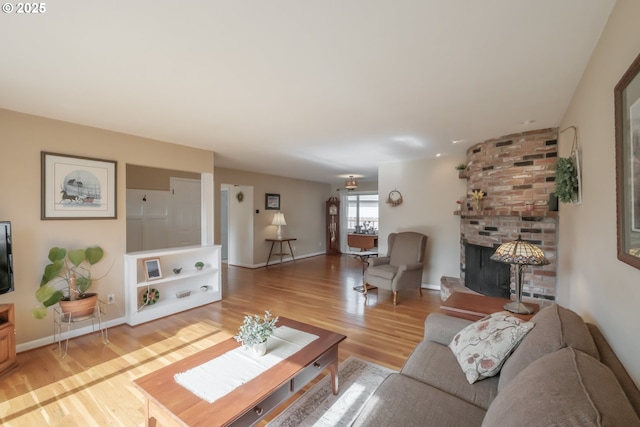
{"x": 148, "y": 178}
{"x": 302, "y": 203}
{"x": 429, "y": 188}
{"x": 591, "y": 280}
{"x": 23, "y": 138}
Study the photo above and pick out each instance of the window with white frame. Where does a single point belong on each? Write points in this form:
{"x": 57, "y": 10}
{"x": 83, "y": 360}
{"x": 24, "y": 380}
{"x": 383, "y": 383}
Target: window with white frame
{"x": 362, "y": 213}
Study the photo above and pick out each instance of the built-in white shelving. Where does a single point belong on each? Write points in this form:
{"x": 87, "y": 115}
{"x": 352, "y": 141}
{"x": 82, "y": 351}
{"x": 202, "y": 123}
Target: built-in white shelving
{"x": 203, "y": 286}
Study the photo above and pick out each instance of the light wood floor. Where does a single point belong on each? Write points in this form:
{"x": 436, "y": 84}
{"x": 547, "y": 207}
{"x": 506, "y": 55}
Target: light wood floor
{"x": 91, "y": 386}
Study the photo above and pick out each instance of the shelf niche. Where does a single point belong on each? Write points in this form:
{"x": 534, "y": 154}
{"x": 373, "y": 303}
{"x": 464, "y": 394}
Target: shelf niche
{"x": 198, "y": 287}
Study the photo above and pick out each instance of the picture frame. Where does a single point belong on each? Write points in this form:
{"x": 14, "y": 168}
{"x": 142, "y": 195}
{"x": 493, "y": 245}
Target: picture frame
{"x": 272, "y": 201}
{"x": 627, "y": 136}
{"x": 152, "y": 270}
{"x": 77, "y": 187}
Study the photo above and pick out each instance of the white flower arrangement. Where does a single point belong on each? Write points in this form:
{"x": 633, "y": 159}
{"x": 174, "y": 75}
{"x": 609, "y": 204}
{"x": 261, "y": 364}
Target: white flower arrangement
{"x": 476, "y": 195}
{"x": 255, "y": 330}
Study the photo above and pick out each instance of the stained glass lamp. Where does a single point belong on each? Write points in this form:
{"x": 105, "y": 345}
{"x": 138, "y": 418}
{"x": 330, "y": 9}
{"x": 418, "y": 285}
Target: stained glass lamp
{"x": 519, "y": 254}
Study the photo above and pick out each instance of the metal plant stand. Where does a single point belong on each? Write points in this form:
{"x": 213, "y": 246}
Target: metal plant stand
{"x": 67, "y": 320}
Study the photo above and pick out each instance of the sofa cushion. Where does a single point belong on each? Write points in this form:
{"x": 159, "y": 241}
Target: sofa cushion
{"x": 556, "y": 327}
{"x": 482, "y": 347}
{"x": 403, "y": 401}
{"x": 564, "y": 388}
{"x": 436, "y": 365}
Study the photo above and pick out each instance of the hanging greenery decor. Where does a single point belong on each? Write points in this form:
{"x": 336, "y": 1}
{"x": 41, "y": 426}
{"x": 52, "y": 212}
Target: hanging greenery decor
{"x": 566, "y": 180}
{"x": 568, "y": 172}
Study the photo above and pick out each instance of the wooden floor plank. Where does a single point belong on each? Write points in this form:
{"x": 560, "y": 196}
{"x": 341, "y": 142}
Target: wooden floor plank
{"x": 91, "y": 386}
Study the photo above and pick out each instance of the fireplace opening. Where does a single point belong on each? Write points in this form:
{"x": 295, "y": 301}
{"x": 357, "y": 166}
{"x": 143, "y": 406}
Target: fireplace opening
{"x": 484, "y": 275}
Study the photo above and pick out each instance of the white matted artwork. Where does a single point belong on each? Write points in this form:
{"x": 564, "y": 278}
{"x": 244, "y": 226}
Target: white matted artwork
{"x": 75, "y": 187}
{"x": 634, "y": 166}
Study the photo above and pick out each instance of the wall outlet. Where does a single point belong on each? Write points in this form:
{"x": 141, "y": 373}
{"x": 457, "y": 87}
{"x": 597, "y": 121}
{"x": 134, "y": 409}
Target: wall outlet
{"x": 111, "y": 298}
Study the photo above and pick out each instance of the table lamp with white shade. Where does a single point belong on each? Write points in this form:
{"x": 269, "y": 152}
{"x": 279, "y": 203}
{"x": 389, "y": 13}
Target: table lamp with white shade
{"x": 278, "y": 219}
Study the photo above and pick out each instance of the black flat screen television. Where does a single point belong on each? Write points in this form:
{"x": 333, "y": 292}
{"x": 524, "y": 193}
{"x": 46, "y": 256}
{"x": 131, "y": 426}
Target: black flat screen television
{"x": 6, "y": 258}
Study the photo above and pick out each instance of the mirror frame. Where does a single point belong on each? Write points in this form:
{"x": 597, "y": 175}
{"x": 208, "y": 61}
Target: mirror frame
{"x": 626, "y": 96}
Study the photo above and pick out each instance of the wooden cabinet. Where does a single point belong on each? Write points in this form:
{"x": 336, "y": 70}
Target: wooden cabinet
{"x": 7, "y": 338}
{"x": 333, "y": 226}
{"x": 177, "y": 284}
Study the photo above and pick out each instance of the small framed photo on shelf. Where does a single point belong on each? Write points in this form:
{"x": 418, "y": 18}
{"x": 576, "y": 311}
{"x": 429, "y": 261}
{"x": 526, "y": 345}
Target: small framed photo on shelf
{"x": 152, "y": 269}
{"x": 272, "y": 201}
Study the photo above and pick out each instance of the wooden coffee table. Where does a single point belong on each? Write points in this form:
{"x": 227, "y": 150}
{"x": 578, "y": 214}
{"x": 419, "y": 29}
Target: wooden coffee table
{"x": 171, "y": 404}
{"x": 474, "y": 307}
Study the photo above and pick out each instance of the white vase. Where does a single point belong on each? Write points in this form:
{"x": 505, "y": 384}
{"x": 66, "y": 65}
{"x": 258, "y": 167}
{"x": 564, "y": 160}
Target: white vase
{"x": 259, "y": 349}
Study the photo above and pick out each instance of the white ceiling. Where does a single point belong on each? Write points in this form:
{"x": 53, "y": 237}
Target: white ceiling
{"x": 312, "y": 89}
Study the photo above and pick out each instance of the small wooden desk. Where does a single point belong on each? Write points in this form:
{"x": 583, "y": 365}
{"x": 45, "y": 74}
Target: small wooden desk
{"x": 475, "y": 307}
{"x": 281, "y": 253}
{"x": 362, "y": 241}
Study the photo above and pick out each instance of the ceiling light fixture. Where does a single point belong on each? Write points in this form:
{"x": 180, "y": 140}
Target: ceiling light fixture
{"x": 351, "y": 183}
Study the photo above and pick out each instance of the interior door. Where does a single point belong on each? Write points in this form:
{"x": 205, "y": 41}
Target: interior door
{"x": 185, "y": 212}
{"x": 224, "y": 222}
{"x": 240, "y": 222}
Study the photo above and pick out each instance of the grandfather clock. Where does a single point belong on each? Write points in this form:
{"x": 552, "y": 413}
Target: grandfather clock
{"x": 333, "y": 226}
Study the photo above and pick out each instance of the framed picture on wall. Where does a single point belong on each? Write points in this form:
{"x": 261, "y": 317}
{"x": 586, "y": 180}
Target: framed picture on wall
{"x": 272, "y": 201}
{"x": 75, "y": 187}
{"x": 152, "y": 269}
{"x": 627, "y": 128}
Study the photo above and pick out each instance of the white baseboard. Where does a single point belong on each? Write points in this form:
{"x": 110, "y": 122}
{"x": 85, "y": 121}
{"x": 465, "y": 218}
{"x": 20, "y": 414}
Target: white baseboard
{"x": 41, "y": 342}
{"x": 275, "y": 261}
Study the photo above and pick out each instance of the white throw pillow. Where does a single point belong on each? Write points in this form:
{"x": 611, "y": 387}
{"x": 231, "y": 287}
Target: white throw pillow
{"x": 482, "y": 347}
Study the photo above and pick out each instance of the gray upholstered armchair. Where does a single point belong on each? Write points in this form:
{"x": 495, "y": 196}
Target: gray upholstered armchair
{"x": 401, "y": 269}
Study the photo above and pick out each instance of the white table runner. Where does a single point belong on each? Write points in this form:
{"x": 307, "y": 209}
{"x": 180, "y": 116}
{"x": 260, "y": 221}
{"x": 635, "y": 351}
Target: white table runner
{"x": 218, "y": 377}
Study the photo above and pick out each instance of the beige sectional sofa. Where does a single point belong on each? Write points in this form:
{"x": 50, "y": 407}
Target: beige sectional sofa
{"x": 563, "y": 373}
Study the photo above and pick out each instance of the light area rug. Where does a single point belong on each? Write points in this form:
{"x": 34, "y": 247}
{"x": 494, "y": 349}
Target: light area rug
{"x": 318, "y": 407}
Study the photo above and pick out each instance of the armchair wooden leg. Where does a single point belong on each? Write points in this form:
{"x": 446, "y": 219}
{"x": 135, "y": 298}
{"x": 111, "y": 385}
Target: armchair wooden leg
{"x": 395, "y": 298}
{"x": 420, "y": 290}
{"x": 364, "y": 286}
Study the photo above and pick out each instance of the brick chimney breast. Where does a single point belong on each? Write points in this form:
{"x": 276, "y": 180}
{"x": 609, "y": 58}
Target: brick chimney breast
{"x": 517, "y": 174}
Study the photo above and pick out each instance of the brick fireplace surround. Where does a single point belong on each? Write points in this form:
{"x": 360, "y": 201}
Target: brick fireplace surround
{"x": 517, "y": 174}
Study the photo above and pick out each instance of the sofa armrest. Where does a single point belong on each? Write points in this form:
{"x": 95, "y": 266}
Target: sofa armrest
{"x": 378, "y": 261}
{"x": 441, "y": 328}
{"x": 609, "y": 358}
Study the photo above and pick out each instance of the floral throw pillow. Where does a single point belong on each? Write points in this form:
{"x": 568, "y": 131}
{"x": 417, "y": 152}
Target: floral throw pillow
{"x": 482, "y": 347}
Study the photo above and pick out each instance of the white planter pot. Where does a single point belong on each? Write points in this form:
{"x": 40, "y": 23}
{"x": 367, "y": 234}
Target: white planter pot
{"x": 259, "y": 349}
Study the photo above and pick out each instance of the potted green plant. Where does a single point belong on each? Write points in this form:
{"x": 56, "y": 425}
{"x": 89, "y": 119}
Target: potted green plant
{"x": 255, "y": 331}
{"x": 461, "y": 166}
{"x": 199, "y": 265}
{"x": 72, "y": 270}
